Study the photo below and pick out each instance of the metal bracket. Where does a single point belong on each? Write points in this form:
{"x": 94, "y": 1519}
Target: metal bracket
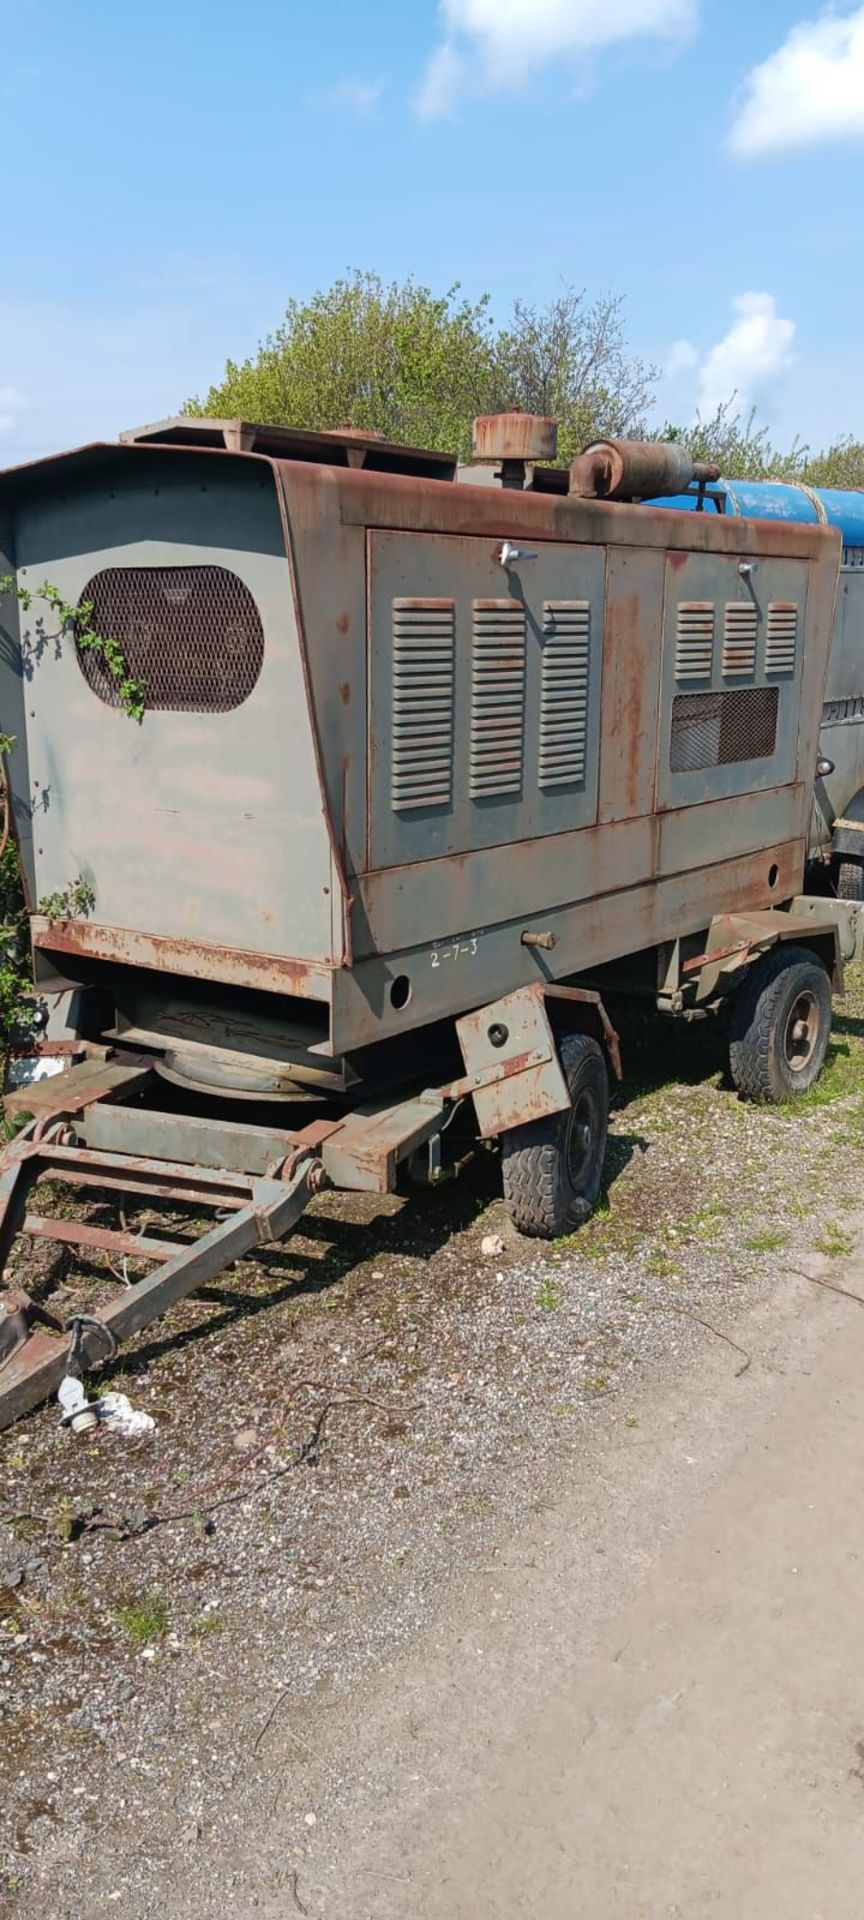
{"x": 513, "y": 1072}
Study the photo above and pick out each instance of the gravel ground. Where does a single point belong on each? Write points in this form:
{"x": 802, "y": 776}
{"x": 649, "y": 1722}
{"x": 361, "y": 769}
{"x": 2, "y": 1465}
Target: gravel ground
{"x": 342, "y": 1431}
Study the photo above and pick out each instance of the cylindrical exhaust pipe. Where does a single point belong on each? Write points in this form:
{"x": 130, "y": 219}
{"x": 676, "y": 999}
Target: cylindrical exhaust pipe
{"x": 636, "y": 470}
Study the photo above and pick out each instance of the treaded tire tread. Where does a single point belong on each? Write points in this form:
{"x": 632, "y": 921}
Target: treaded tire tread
{"x": 850, "y": 880}
{"x": 536, "y": 1196}
{"x": 751, "y": 1049}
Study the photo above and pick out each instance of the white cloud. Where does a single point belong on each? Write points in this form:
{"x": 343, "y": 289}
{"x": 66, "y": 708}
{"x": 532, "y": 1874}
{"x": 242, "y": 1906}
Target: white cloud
{"x": 681, "y": 358}
{"x": 811, "y": 89}
{"x": 751, "y": 357}
{"x": 12, "y": 405}
{"x": 358, "y": 96}
{"x": 495, "y": 44}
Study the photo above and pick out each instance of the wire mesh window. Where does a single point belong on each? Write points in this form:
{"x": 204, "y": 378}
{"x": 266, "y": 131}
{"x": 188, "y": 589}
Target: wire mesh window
{"x": 192, "y": 634}
{"x": 716, "y": 729}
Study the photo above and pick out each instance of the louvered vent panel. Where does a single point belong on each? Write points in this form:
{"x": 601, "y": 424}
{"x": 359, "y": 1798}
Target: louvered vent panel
{"x": 694, "y": 645}
{"x": 422, "y": 703}
{"x": 740, "y": 633}
{"x": 497, "y": 698}
{"x": 781, "y": 638}
{"x": 853, "y": 559}
{"x": 564, "y": 691}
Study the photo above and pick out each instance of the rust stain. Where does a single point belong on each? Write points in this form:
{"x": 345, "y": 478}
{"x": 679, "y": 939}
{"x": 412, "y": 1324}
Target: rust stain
{"x": 343, "y": 623}
{"x": 273, "y": 973}
{"x": 345, "y": 693}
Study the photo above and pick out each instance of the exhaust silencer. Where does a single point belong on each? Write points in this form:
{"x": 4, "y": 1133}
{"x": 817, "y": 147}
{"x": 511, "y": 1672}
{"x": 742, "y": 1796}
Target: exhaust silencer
{"x": 636, "y": 470}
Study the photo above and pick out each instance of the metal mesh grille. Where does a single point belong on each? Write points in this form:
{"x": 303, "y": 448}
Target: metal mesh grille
{"x": 497, "y": 697}
{"x": 192, "y": 634}
{"x": 422, "y": 704}
{"x": 716, "y": 729}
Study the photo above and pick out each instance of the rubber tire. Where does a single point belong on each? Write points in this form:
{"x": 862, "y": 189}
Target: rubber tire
{"x": 850, "y": 879}
{"x": 539, "y": 1192}
{"x": 757, "y": 1057}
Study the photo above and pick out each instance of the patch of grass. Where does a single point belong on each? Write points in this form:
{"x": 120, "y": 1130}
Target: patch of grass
{"x": 144, "y": 1617}
{"x": 597, "y": 1384}
{"x": 705, "y": 1224}
{"x": 768, "y": 1240}
{"x": 660, "y": 1264}
{"x": 549, "y": 1294}
{"x": 206, "y": 1625}
{"x": 834, "y": 1242}
{"x": 842, "y": 1074}
{"x": 63, "y": 1518}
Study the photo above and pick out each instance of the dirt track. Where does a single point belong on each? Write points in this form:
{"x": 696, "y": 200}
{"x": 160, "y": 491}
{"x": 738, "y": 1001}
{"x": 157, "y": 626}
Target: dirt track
{"x": 409, "y": 1637}
{"x": 653, "y": 1705}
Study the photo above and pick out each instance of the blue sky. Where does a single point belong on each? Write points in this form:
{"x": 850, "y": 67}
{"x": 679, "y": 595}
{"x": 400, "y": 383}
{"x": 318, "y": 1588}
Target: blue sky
{"x": 175, "y": 171}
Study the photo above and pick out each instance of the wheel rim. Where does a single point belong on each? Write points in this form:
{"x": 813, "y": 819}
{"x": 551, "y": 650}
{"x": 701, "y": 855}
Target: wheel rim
{"x": 802, "y": 1032}
{"x": 581, "y": 1137}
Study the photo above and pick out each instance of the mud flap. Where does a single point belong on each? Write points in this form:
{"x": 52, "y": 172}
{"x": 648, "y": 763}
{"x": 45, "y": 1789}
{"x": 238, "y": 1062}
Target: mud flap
{"x": 512, "y": 1069}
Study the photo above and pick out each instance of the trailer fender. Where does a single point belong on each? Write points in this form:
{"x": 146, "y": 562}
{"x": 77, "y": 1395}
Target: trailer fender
{"x": 848, "y": 835}
{"x": 512, "y": 1069}
{"x": 735, "y": 940}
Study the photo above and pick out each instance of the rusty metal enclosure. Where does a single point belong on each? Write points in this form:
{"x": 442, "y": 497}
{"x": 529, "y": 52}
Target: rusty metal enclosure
{"x": 398, "y": 729}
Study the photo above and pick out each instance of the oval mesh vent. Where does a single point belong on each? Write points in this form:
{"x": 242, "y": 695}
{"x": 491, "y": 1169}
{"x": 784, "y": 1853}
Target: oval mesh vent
{"x": 192, "y": 634}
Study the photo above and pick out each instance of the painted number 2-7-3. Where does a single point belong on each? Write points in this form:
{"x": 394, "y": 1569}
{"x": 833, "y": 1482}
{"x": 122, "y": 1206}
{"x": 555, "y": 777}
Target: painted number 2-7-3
{"x": 458, "y": 950}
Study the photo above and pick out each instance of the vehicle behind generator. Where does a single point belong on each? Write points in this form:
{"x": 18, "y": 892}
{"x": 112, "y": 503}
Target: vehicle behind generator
{"x": 836, "y": 832}
{"x": 428, "y": 760}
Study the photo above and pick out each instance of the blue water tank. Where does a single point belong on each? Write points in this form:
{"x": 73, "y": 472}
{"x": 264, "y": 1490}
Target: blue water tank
{"x": 785, "y": 500}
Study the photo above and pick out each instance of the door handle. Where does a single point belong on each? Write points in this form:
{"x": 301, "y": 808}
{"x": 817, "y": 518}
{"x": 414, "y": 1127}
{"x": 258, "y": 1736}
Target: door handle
{"x": 510, "y": 556}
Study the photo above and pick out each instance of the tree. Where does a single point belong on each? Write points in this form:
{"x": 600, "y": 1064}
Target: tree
{"x": 416, "y": 366}
{"x": 397, "y": 360}
{"x": 569, "y": 359}
{"x": 841, "y": 465}
{"x": 738, "y": 445}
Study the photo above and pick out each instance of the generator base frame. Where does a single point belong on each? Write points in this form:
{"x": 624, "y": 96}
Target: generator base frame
{"x": 85, "y": 1130}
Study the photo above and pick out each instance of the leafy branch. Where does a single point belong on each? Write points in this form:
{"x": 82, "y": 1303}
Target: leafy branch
{"x": 74, "y": 902}
{"x": 76, "y": 622}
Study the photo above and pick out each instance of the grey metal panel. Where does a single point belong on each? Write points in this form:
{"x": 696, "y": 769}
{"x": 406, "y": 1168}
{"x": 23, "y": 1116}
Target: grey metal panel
{"x": 842, "y": 735}
{"x": 505, "y": 712}
{"x": 195, "y": 826}
{"x": 632, "y": 648}
{"x": 742, "y": 601}
{"x": 472, "y": 891}
{"x": 446, "y": 978}
{"x": 13, "y": 709}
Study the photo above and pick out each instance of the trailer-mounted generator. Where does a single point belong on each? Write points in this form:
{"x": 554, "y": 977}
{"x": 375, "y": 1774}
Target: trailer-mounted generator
{"x": 429, "y": 759}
